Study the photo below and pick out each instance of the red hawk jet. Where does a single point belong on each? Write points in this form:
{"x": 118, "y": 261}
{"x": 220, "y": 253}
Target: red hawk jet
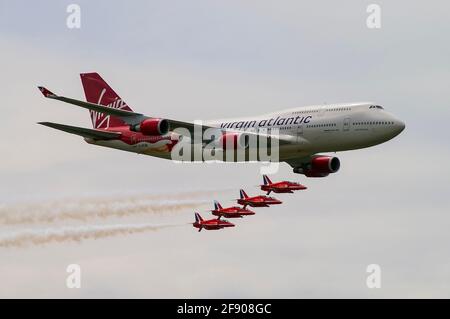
{"x": 256, "y": 201}
{"x": 280, "y": 187}
{"x": 230, "y": 212}
{"x": 210, "y": 224}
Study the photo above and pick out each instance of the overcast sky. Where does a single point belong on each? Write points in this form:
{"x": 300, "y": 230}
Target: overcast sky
{"x": 387, "y": 205}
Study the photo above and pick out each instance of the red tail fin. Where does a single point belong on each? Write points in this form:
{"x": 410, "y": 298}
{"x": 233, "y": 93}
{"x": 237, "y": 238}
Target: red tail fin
{"x": 198, "y": 218}
{"x": 99, "y": 92}
{"x": 243, "y": 194}
{"x": 266, "y": 180}
{"x": 217, "y": 205}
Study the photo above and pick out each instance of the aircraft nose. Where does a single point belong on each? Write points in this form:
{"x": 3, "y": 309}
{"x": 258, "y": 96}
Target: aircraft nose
{"x": 400, "y": 126}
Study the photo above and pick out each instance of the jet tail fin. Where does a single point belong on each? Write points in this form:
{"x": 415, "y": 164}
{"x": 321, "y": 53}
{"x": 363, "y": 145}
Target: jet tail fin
{"x": 243, "y": 194}
{"x": 266, "y": 180}
{"x": 98, "y": 91}
{"x": 217, "y": 205}
{"x": 198, "y": 218}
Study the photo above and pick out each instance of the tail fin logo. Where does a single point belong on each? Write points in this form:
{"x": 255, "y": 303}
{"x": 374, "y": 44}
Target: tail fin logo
{"x": 98, "y": 91}
{"x": 243, "y": 194}
{"x": 101, "y": 120}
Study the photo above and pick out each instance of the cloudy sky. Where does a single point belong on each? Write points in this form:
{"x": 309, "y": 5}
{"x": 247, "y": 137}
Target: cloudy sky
{"x": 388, "y": 205}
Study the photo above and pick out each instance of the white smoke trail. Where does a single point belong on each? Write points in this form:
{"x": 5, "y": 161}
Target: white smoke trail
{"x": 184, "y": 194}
{"x": 117, "y": 206}
{"x": 28, "y": 238}
{"x": 84, "y": 210}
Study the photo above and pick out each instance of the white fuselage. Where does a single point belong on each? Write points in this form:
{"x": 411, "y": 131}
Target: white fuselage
{"x": 315, "y": 129}
{"x": 325, "y": 128}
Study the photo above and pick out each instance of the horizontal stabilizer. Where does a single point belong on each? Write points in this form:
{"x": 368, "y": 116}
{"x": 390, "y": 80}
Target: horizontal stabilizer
{"x": 84, "y": 132}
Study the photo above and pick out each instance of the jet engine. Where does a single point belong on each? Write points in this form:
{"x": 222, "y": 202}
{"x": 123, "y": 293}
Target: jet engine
{"x": 319, "y": 166}
{"x": 152, "y": 127}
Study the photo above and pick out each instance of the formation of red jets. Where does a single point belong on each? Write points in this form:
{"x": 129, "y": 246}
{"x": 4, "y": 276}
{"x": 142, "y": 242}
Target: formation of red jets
{"x": 245, "y": 200}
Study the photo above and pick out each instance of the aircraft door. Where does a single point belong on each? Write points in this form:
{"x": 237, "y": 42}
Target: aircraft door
{"x": 346, "y": 125}
{"x": 300, "y": 133}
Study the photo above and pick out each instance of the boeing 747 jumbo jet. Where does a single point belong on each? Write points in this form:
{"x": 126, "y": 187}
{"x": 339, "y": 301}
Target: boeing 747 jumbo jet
{"x": 303, "y": 132}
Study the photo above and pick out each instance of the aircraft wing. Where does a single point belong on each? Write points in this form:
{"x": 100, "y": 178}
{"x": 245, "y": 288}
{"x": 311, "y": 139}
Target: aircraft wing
{"x": 84, "y": 132}
{"x": 193, "y": 127}
{"x": 127, "y": 116}
{"x": 133, "y": 118}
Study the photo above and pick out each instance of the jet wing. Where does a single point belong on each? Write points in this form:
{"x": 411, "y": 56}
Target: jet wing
{"x": 133, "y": 118}
{"x": 127, "y": 116}
{"x": 84, "y": 132}
{"x": 193, "y": 127}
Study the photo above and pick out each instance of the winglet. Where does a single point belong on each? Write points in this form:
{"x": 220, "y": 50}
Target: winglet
{"x": 46, "y": 92}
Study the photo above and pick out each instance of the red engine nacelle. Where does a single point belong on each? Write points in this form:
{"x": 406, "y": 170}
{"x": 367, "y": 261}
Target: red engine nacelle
{"x": 233, "y": 141}
{"x": 320, "y": 166}
{"x": 152, "y": 127}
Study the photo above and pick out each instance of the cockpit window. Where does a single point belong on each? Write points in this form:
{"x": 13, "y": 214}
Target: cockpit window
{"x": 376, "y": 107}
